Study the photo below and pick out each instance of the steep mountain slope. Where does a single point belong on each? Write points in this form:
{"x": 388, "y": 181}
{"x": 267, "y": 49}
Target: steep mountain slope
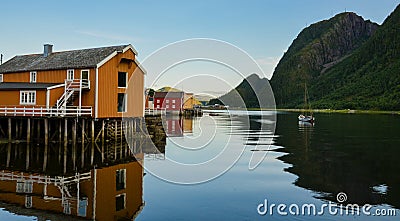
{"x": 369, "y": 78}
{"x": 316, "y": 49}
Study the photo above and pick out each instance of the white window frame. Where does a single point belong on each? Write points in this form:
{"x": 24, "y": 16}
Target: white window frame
{"x": 125, "y": 103}
{"x": 33, "y": 77}
{"x": 70, "y": 72}
{"x": 167, "y": 101}
{"x": 1, "y": 78}
{"x": 158, "y": 106}
{"x": 158, "y": 101}
{"x": 28, "y": 186}
{"x": 173, "y": 101}
{"x": 29, "y": 101}
{"x": 126, "y": 79}
{"x": 20, "y": 186}
{"x": 167, "y": 106}
{"x": 28, "y": 201}
{"x": 173, "y": 106}
{"x": 124, "y": 172}
{"x": 122, "y": 194}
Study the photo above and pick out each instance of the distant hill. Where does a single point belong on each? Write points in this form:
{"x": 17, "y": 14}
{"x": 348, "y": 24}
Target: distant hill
{"x": 168, "y": 89}
{"x": 246, "y": 94}
{"x": 316, "y": 49}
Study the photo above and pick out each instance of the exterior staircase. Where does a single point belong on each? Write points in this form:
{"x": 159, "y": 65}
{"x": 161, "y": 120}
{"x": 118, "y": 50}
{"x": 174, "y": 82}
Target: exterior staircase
{"x": 73, "y": 89}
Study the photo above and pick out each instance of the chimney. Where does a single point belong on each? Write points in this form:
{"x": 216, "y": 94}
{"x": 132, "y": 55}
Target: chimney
{"x": 48, "y": 49}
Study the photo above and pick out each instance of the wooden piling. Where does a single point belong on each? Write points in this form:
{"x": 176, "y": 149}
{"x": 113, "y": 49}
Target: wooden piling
{"x": 74, "y": 143}
{"x": 65, "y": 144}
{"x": 28, "y": 130}
{"x": 46, "y": 131}
{"x": 102, "y": 140}
{"x": 9, "y": 130}
{"x": 115, "y": 138}
{"x": 83, "y": 143}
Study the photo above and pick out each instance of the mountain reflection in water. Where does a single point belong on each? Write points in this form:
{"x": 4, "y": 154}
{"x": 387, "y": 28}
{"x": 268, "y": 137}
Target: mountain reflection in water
{"x": 354, "y": 154}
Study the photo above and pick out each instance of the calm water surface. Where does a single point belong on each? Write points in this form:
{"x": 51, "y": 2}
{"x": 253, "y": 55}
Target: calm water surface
{"x": 353, "y": 154}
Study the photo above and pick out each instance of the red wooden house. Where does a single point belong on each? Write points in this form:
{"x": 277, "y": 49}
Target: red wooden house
{"x": 172, "y": 101}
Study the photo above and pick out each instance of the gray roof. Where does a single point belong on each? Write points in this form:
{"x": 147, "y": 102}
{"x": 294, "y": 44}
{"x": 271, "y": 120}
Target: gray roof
{"x": 24, "y": 86}
{"x": 84, "y": 58}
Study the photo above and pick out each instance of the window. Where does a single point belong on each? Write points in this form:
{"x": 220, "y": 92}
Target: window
{"x": 121, "y": 102}
{"x": 167, "y": 101}
{"x": 158, "y": 106}
{"x": 173, "y": 106}
{"x": 120, "y": 202}
{"x": 33, "y": 77}
{"x": 120, "y": 179}
{"x": 70, "y": 75}
{"x": 28, "y": 186}
{"x": 122, "y": 79}
{"x": 167, "y": 106}
{"x": 28, "y": 201}
{"x": 1, "y": 78}
{"x": 173, "y": 101}
{"x": 20, "y": 187}
{"x": 27, "y": 97}
{"x": 158, "y": 101}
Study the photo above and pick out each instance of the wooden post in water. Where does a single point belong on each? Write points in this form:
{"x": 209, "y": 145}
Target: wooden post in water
{"x": 122, "y": 138}
{"x": 59, "y": 131}
{"x": 38, "y": 129}
{"x": 8, "y": 154}
{"x": 16, "y": 129}
{"x": 93, "y": 140}
{"x": 102, "y": 140}
{"x": 65, "y": 143}
{"x": 46, "y": 143}
{"x": 46, "y": 131}
{"x": 115, "y": 138}
{"x": 74, "y": 143}
{"x": 9, "y": 130}
{"x": 28, "y": 130}
{"x": 20, "y": 128}
{"x": 83, "y": 143}
{"x": 28, "y": 147}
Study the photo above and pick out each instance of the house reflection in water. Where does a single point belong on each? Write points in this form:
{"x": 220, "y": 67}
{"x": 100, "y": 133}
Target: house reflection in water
{"x": 176, "y": 126}
{"x": 105, "y": 187}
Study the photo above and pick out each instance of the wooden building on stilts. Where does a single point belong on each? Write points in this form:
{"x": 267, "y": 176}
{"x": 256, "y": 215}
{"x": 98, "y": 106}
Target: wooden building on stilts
{"x": 78, "y": 96}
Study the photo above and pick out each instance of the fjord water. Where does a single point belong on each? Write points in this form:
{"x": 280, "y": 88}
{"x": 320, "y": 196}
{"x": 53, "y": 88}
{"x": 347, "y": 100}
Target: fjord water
{"x": 349, "y": 153}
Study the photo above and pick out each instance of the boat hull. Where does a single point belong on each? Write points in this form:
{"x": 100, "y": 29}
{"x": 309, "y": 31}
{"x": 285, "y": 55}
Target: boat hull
{"x": 308, "y": 119}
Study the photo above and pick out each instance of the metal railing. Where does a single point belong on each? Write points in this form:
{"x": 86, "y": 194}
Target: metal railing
{"x": 41, "y": 111}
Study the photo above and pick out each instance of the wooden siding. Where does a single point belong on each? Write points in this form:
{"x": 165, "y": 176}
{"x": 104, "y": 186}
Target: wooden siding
{"x": 107, "y": 92}
{"x": 11, "y": 98}
{"x": 108, "y": 87}
{"x": 106, "y": 191}
{"x": 54, "y": 95}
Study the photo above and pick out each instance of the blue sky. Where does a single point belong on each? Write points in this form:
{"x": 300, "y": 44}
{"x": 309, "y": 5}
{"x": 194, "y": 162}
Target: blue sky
{"x": 263, "y": 28}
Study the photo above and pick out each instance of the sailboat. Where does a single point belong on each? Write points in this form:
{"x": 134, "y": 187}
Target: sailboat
{"x": 306, "y": 116}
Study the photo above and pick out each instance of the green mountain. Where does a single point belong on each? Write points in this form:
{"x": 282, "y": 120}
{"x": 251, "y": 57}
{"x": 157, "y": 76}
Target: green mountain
{"x": 369, "y": 78}
{"x": 316, "y": 50}
{"x": 346, "y": 63}
{"x": 245, "y": 94}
